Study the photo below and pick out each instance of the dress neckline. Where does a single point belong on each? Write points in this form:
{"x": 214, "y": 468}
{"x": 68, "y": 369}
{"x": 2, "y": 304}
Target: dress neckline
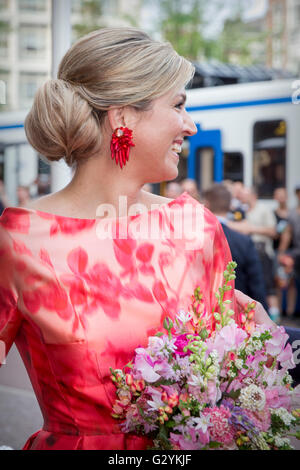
{"x": 49, "y": 215}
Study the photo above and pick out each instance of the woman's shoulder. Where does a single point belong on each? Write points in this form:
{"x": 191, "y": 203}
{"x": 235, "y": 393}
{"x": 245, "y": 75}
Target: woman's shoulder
{"x": 44, "y": 203}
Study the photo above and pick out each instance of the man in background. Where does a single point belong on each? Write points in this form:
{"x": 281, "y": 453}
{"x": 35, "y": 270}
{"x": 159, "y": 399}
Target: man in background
{"x": 173, "y": 190}
{"x": 289, "y": 248}
{"x": 260, "y": 224}
{"x": 190, "y": 186}
{"x": 249, "y": 275}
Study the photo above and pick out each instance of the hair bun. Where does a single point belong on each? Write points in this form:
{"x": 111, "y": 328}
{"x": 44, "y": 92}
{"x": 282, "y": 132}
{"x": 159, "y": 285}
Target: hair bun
{"x": 62, "y": 124}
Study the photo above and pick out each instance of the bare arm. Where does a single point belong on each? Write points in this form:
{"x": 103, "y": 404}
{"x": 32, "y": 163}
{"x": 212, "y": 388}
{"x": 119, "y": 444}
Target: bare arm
{"x": 285, "y": 239}
{"x": 248, "y": 229}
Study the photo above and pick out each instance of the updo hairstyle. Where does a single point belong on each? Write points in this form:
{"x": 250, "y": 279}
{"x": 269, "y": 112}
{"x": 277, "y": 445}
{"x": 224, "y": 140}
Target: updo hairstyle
{"x": 108, "y": 67}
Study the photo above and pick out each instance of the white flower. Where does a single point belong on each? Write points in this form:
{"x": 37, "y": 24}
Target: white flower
{"x": 231, "y": 373}
{"x": 196, "y": 381}
{"x": 280, "y": 441}
{"x": 184, "y": 316}
{"x": 239, "y": 364}
{"x": 156, "y": 403}
{"x": 284, "y": 415}
{"x": 202, "y": 423}
{"x": 184, "y": 366}
{"x": 253, "y": 398}
{"x": 214, "y": 355}
{"x": 287, "y": 378}
{"x": 248, "y": 381}
{"x": 260, "y": 442}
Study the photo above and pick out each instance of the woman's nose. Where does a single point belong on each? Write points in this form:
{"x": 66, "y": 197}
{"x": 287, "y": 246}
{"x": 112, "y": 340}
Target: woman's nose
{"x": 190, "y": 127}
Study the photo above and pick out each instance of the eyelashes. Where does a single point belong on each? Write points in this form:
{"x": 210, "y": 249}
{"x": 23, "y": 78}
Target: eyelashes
{"x": 180, "y": 105}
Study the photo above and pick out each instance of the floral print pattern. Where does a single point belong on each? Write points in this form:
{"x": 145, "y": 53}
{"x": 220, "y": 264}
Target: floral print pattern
{"x": 77, "y": 305}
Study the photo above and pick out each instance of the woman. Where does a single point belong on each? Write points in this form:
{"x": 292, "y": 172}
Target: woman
{"x": 80, "y": 291}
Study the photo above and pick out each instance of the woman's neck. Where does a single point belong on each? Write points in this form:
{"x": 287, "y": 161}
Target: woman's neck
{"x": 99, "y": 181}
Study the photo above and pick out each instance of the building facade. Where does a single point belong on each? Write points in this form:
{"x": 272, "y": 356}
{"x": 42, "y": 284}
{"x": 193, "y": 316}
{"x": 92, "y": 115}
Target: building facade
{"x": 25, "y": 42}
{"x": 278, "y": 23}
{"x": 25, "y": 63}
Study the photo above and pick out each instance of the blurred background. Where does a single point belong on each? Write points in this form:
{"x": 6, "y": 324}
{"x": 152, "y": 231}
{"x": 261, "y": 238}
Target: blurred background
{"x": 244, "y": 99}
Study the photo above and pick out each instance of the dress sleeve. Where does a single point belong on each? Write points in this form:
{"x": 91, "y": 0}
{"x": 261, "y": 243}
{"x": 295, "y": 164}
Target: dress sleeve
{"x": 10, "y": 318}
{"x": 221, "y": 257}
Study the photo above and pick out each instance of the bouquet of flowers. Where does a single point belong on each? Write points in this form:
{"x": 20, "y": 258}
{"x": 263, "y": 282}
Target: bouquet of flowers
{"x": 193, "y": 389}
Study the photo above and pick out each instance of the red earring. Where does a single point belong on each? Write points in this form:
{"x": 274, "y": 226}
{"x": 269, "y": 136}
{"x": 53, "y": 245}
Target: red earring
{"x": 120, "y": 144}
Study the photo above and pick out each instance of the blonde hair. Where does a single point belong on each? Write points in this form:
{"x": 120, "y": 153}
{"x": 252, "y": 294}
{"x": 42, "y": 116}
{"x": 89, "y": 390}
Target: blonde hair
{"x": 108, "y": 67}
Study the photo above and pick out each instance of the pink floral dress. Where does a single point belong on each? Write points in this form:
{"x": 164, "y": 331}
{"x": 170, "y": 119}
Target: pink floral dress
{"x": 77, "y": 296}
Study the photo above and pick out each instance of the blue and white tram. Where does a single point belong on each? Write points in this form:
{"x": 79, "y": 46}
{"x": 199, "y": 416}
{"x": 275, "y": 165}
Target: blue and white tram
{"x": 246, "y": 132}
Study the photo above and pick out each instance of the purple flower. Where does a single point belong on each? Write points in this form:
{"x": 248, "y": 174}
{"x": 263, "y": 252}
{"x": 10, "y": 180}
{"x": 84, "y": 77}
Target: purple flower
{"x": 239, "y": 419}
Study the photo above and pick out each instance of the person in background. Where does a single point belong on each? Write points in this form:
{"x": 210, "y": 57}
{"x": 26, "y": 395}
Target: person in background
{"x": 283, "y": 275}
{"x": 281, "y": 213}
{"x": 23, "y": 194}
{"x": 190, "y": 186}
{"x": 260, "y": 224}
{"x": 237, "y": 207}
{"x": 290, "y": 257}
{"x": 148, "y": 187}
{"x": 173, "y": 190}
{"x": 249, "y": 274}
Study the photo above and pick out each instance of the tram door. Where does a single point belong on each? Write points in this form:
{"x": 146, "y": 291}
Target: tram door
{"x": 205, "y": 160}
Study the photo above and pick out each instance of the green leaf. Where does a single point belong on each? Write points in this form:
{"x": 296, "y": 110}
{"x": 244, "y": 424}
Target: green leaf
{"x": 214, "y": 444}
{"x": 234, "y": 394}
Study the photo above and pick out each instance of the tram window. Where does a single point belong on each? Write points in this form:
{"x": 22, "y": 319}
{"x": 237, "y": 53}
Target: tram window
{"x": 269, "y": 157}
{"x": 233, "y": 166}
{"x": 205, "y": 167}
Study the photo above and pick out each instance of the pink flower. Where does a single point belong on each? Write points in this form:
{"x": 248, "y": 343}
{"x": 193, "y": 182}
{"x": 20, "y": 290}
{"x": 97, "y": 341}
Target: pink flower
{"x": 276, "y": 344}
{"x": 146, "y": 366}
{"x": 261, "y": 419}
{"x": 295, "y": 398}
{"x": 213, "y": 392}
{"x": 180, "y": 343}
{"x": 253, "y": 361}
{"x": 149, "y": 369}
{"x": 277, "y": 397}
{"x": 286, "y": 358}
{"x": 180, "y": 443}
{"x": 221, "y": 430}
{"x": 228, "y": 338}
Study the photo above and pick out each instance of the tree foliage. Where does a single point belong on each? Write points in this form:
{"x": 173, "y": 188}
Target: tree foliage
{"x": 92, "y": 17}
{"x": 183, "y": 23}
{"x": 91, "y": 14}
{"x": 236, "y": 41}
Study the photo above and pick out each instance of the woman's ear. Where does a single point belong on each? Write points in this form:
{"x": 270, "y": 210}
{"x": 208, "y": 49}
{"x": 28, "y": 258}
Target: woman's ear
{"x": 125, "y": 117}
{"x": 116, "y": 117}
